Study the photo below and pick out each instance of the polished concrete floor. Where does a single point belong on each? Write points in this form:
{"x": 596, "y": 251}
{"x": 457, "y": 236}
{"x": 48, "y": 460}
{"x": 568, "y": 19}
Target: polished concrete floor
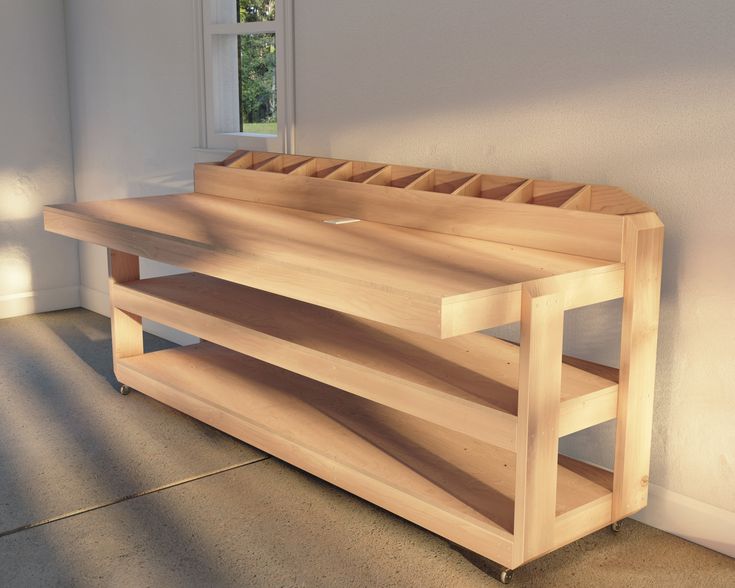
{"x": 97, "y": 489}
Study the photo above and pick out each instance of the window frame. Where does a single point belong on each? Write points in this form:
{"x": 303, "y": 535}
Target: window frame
{"x": 211, "y": 93}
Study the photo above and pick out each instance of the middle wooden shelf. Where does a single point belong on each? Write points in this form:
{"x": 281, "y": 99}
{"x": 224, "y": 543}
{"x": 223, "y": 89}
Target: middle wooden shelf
{"x": 467, "y": 384}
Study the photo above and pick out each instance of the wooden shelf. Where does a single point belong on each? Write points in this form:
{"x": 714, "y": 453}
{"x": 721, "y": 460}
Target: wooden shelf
{"x": 442, "y": 480}
{"x": 339, "y": 304}
{"x": 428, "y": 282}
{"x": 467, "y": 384}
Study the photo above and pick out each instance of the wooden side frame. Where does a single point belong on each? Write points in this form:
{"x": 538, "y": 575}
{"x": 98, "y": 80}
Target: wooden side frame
{"x": 127, "y": 328}
{"x": 537, "y": 530}
{"x": 642, "y": 249}
{"x": 537, "y": 443}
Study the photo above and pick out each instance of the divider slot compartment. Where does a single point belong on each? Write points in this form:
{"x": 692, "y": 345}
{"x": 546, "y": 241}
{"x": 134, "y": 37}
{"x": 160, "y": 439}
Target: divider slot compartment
{"x": 398, "y": 176}
{"x": 561, "y": 194}
{"x": 490, "y": 187}
{"x": 441, "y": 181}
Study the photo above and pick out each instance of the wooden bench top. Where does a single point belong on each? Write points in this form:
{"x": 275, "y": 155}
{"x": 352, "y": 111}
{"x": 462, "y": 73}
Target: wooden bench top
{"x": 429, "y": 282}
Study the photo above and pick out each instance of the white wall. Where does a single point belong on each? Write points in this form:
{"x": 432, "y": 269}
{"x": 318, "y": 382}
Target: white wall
{"x": 636, "y": 94}
{"x": 38, "y": 271}
{"x": 628, "y": 93}
{"x": 133, "y": 95}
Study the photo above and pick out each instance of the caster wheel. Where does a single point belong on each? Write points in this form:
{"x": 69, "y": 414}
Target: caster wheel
{"x": 616, "y": 526}
{"x": 124, "y": 389}
{"x": 506, "y": 576}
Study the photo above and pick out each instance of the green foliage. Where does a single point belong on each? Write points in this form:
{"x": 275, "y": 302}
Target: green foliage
{"x": 257, "y": 55}
{"x": 256, "y": 10}
{"x": 257, "y": 78}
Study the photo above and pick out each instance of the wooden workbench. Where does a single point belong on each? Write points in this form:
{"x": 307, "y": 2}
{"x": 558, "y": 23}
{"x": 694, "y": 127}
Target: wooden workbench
{"x": 339, "y": 304}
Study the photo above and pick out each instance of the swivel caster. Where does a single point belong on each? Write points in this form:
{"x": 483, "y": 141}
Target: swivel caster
{"x": 616, "y": 526}
{"x": 505, "y": 576}
{"x": 125, "y": 389}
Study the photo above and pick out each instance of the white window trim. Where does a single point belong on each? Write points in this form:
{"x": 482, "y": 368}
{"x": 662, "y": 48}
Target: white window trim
{"x": 205, "y": 92}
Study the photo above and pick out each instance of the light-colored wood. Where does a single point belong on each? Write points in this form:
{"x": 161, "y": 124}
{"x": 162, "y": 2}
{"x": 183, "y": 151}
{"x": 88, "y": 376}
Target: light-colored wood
{"x": 581, "y": 200}
{"x": 609, "y": 373}
{"x": 467, "y": 384}
{"x": 554, "y": 194}
{"x": 437, "y": 284}
{"x": 582, "y": 289}
{"x": 239, "y": 158}
{"x": 442, "y": 181}
{"x": 602, "y": 199}
{"x": 362, "y": 171}
{"x": 522, "y": 194}
{"x": 325, "y": 168}
{"x": 644, "y": 235}
{"x": 423, "y": 182}
{"x": 613, "y": 200}
{"x": 127, "y": 327}
{"x": 469, "y": 188}
{"x": 493, "y": 187}
{"x": 380, "y": 178}
{"x": 379, "y": 382}
{"x": 449, "y": 483}
{"x": 395, "y": 176}
{"x": 539, "y": 394}
{"x": 382, "y": 199}
{"x": 580, "y": 522}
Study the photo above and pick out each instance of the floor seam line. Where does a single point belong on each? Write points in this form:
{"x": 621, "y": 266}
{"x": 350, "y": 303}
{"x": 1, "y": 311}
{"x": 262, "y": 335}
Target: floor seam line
{"x": 127, "y": 497}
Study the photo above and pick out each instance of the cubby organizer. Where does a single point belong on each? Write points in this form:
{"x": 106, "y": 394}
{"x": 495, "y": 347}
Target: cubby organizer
{"x": 338, "y": 304}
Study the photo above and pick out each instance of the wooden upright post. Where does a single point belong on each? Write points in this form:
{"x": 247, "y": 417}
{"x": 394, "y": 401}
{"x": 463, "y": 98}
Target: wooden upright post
{"x": 539, "y": 389}
{"x": 127, "y": 328}
{"x": 642, "y": 251}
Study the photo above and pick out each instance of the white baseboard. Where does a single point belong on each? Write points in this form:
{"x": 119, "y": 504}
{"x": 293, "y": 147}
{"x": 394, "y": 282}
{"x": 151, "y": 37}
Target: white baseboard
{"x": 99, "y": 302}
{"x": 39, "y": 301}
{"x": 690, "y": 519}
{"x": 95, "y": 300}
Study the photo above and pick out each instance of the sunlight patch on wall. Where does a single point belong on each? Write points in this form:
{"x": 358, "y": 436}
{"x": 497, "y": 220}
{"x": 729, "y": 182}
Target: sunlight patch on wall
{"x": 15, "y": 272}
{"x": 19, "y": 195}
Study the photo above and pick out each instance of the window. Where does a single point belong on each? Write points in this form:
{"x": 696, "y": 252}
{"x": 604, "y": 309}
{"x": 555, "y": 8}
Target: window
{"x": 247, "y": 60}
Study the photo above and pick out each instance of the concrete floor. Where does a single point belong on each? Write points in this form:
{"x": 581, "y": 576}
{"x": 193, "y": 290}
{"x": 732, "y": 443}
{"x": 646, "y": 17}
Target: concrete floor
{"x": 97, "y": 489}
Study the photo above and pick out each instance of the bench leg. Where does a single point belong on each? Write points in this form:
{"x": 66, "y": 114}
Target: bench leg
{"x": 539, "y": 388}
{"x": 127, "y": 328}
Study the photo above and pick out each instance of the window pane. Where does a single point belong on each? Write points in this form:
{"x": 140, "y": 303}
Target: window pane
{"x": 255, "y": 10}
{"x": 231, "y": 11}
{"x": 257, "y": 77}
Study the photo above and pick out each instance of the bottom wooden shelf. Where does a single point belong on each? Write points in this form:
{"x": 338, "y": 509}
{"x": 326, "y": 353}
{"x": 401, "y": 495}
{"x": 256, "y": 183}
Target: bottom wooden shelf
{"x": 440, "y": 479}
